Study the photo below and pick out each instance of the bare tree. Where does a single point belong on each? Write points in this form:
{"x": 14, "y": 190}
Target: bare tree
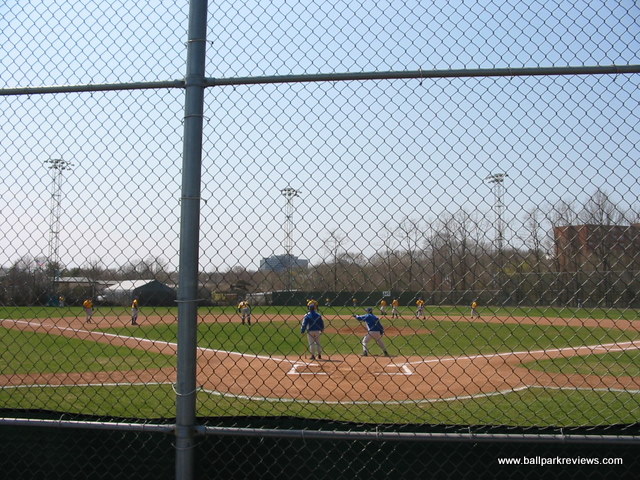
{"x": 443, "y": 243}
{"x": 26, "y": 281}
{"x": 388, "y": 256}
{"x": 356, "y": 276}
{"x": 469, "y": 233}
{"x": 562, "y": 214}
{"x": 333, "y": 244}
{"x": 411, "y": 237}
{"x": 600, "y": 210}
{"x": 93, "y": 270}
{"x": 535, "y": 237}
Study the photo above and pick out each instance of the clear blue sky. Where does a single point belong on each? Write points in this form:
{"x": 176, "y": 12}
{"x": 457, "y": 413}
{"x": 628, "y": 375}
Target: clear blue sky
{"x": 362, "y": 153}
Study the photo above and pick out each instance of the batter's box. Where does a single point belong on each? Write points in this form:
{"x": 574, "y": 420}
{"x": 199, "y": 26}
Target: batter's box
{"x": 313, "y": 368}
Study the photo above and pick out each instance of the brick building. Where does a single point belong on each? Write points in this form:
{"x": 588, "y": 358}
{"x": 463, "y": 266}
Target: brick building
{"x": 600, "y": 248}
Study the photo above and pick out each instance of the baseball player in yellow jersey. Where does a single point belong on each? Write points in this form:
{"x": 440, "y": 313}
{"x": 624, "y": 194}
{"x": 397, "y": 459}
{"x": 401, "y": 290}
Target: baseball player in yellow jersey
{"x": 245, "y": 311}
{"x": 474, "y": 309}
{"x": 88, "y": 309}
{"x": 383, "y": 307}
{"x": 420, "y": 311}
{"x": 394, "y": 308}
{"x": 134, "y": 311}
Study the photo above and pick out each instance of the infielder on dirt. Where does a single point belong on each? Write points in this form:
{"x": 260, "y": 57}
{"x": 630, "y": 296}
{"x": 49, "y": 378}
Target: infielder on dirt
{"x": 375, "y": 331}
{"x": 313, "y": 324}
{"x": 383, "y": 307}
{"x": 474, "y": 309}
{"x": 245, "y": 310}
{"x": 420, "y": 311}
{"x": 394, "y": 308}
{"x": 135, "y": 308}
{"x": 88, "y": 309}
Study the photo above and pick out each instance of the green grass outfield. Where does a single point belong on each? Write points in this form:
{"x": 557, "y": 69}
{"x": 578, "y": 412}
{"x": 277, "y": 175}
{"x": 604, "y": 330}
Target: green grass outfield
{"x": 409, "y": 311}
{"x": 441, "y": 337}
{"x": 28, "y": 352}
{"x": 24, "y": 352}
{"x": 530, "y": 407}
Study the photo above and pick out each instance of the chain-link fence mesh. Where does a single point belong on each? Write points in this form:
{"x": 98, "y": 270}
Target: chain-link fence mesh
{"x": 413, "y": 218}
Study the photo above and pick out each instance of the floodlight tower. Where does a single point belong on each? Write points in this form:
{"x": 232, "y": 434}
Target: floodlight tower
{"x": 497, "y": 179}
{"x": 289, "y": 194}
{"x": 56, "y": 167}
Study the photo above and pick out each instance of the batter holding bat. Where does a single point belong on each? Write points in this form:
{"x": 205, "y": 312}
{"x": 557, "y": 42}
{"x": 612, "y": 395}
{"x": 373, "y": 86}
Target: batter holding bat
{"x": 375, "y": 331}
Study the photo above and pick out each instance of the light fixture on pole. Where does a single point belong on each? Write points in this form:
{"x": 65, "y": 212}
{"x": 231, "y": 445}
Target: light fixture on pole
{"x": 497, "y": 180}
{"x": 289, "y": 194}
{"x": 56, "y": 167}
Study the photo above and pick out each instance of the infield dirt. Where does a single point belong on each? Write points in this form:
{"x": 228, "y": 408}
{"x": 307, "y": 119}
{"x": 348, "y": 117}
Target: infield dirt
{"x": 336, "y": 378}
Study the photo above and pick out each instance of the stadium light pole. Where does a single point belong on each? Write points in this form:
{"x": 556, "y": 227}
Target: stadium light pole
{"x": 496, "y": 180}
{"x": 56, "y": 167}
{"x": 289, "y": 194}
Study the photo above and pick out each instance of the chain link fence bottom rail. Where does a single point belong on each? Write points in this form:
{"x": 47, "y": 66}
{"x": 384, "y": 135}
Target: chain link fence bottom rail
{"x": 51, "y": 452}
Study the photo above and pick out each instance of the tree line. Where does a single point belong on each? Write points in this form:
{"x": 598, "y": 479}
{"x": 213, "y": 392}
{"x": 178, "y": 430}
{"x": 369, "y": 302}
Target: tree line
{"x": 448, "y": 259}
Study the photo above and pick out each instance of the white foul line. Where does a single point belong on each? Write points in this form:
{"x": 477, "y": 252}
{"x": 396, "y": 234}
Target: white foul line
{"x": 405, "y": 370}
{"x": 148, "y": 341}
{"x": 619, "y": 347}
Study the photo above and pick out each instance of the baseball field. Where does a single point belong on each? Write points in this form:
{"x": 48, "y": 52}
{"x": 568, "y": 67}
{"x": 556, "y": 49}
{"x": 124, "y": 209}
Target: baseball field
{"x": 526, "y": 367}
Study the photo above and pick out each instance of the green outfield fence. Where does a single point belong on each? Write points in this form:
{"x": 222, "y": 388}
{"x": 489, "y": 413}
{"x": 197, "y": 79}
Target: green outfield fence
{"x": 480, "y": 156}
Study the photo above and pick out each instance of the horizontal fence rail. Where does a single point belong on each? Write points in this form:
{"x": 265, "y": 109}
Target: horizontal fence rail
{"x": 337, "y": 77}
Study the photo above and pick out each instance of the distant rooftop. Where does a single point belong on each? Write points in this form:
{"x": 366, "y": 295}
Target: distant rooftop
{"x": 81, "y": 281}
{"x": 280, "y": 263}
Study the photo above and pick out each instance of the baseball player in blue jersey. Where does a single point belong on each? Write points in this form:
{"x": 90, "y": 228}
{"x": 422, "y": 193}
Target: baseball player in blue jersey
{"x": 375, "y": 331}
{"x": 313, "y": 324}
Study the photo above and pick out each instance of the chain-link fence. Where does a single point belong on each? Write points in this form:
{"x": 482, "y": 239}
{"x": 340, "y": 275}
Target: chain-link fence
{"x": 319, "y": 240}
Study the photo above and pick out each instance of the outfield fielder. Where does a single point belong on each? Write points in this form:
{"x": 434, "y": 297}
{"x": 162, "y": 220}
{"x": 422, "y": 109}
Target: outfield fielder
{"x": 313, "y": 324}
{"x": 375, "y": 331}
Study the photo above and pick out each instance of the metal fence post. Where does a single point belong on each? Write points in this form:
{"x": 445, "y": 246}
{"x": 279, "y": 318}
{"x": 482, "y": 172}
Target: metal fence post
{"x": 189, "y": 239}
